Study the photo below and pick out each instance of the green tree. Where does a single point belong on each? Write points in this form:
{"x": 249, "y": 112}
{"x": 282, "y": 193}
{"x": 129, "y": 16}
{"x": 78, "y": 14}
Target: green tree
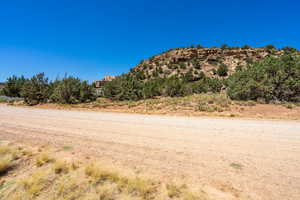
{"x": 71, "y": 90}
{"x": 246, "y": 46}
{"x": 224, "y": 46}
{"x": 36, "y": 90}
{"x": 270, "y": 47}
{"x": 13, "y": 86}
{"x": 272, "y": 79}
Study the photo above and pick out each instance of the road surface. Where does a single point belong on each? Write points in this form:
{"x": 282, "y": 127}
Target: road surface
{"x": 256, "y": 158}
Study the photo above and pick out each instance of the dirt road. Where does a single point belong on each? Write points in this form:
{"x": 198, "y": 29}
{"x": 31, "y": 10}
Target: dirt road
{"x": 255, "y": 158}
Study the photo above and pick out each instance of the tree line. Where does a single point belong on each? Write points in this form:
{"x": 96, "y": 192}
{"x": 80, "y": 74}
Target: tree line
{"x": 38, "y": 89}
{"x": 273, "y": 79}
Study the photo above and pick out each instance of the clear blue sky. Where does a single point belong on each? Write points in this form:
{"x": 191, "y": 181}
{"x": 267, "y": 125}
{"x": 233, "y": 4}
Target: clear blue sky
{"x": 94, "y": 38}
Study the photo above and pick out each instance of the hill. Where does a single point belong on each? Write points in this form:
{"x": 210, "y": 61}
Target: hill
{"x": 196, "y": 61}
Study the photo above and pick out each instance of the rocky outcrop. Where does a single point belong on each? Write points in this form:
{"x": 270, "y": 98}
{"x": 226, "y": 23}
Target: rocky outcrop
{"x": 197, "y": 61}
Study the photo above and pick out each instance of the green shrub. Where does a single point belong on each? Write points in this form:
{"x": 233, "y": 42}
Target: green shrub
{"x": 222, "y": 70}
{"x": 272, "y": 79}
{"x": 288, "y": 50}
{"x": 224, "y": 46}
{"x": 270, "y": 47}
{"x": 246, "y": 46}
{"x": 36, "y": 90}
{"x": 71, "y": 90}
{"x": 13, "y": 86}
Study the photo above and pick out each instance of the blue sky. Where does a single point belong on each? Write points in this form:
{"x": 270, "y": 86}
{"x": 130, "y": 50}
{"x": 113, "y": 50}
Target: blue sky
{"x": 93, "y": 38}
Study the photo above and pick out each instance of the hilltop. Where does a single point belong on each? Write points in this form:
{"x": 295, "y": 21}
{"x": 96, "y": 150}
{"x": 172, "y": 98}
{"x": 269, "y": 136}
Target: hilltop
{"x": 212, "y": 62}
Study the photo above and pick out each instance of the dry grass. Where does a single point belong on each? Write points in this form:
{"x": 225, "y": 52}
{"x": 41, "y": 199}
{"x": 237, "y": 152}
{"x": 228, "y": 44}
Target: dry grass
{"x": 43, "y": 158}
{"x": 60, "y": 167}
{"x": 197, "y": 102}
{"x": 34, "y": 184}
{"x": 47, "y": 178}
{"x": 195, "y": 105}
{"x": 175, "y": 190}
{"x": 5, "y": 164}
{"x": 7, "y": 156}
{"x": 4, "y": 149}
{"x": 99, "y": 174}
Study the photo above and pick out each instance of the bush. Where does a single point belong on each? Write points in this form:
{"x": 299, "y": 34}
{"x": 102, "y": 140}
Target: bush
{"x": 270, "y": 47}
{"x": 288, "y": 50}
{"x": 13, "y": 86}
{"x": 125, "y": 87}
{"x": 224, "y": 46}
{"x": 36, "y": 90}
{"x": 222, "y": 70}
{"x": 128, "y": 87}
{"x": 272, "y": 79}
{"x": 71, "y": 90}
{"x": 246, "y": 46}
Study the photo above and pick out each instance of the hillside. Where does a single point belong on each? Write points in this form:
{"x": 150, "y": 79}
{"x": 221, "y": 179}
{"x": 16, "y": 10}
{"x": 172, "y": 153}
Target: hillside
{"x": 197, "y": 61}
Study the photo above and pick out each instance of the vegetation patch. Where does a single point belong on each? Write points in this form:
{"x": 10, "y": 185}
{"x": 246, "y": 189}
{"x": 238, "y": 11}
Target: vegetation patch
{"x": 5, "y": 164}
{"x": 261, "y": 76}
{"x": 59, "y": 179}
{"x": 67, "y": 147}
{"x": 43, "y": 159}
{"x": 236, "y": 166}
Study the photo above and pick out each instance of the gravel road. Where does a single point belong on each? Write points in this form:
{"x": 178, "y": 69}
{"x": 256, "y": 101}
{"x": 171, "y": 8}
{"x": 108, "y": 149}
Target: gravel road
{"x": 256, "y": 158}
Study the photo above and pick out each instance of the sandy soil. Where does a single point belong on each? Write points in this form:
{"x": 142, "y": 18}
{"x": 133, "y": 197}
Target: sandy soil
{"x": 244, "y": 159}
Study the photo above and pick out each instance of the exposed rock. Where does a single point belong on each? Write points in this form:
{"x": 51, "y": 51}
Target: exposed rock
{"x": 196, "y": 60}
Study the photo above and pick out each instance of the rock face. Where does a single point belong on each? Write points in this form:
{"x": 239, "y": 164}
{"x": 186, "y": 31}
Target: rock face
{"x": 99, "y": 83}
{"x": 199, "y": 61}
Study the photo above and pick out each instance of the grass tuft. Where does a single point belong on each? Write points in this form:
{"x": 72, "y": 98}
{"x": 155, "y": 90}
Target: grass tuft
{"x": 236, "y": 165}
{"x": 5, "y": 164}
{"x": 61, "y": 167}
{"x": 175, "y": 191}
{"x": 106, "y": 192}
{"x": 67, "y": 148}
{"x": 146, "y": 189}
{"x": 43, "y": 159}
{"x": 99, "y": 174}
{"x": 34, "y": 184}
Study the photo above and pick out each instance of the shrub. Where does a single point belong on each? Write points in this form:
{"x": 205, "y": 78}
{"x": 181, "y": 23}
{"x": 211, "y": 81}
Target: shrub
{"x": 288, "y": 50}
{"x": 272, "y": 79}
{"x": 246, "y": 46}
{"x": 222, "y": 70}
{"x": 224, "y": 46}
{"x": 270, "y": 47}
{"x": 125, "y": 87}
{"x": 36, "y": 90}
{"x": 182, "y": 65}
{"x": 71, "y": 90}
{"x": 13, "y": 86}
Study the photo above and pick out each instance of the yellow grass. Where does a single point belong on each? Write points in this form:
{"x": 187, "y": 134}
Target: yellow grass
{"x": 5, "y": 164}
{"x": 43, "y": 159}
{"x": 61, "y": 180}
